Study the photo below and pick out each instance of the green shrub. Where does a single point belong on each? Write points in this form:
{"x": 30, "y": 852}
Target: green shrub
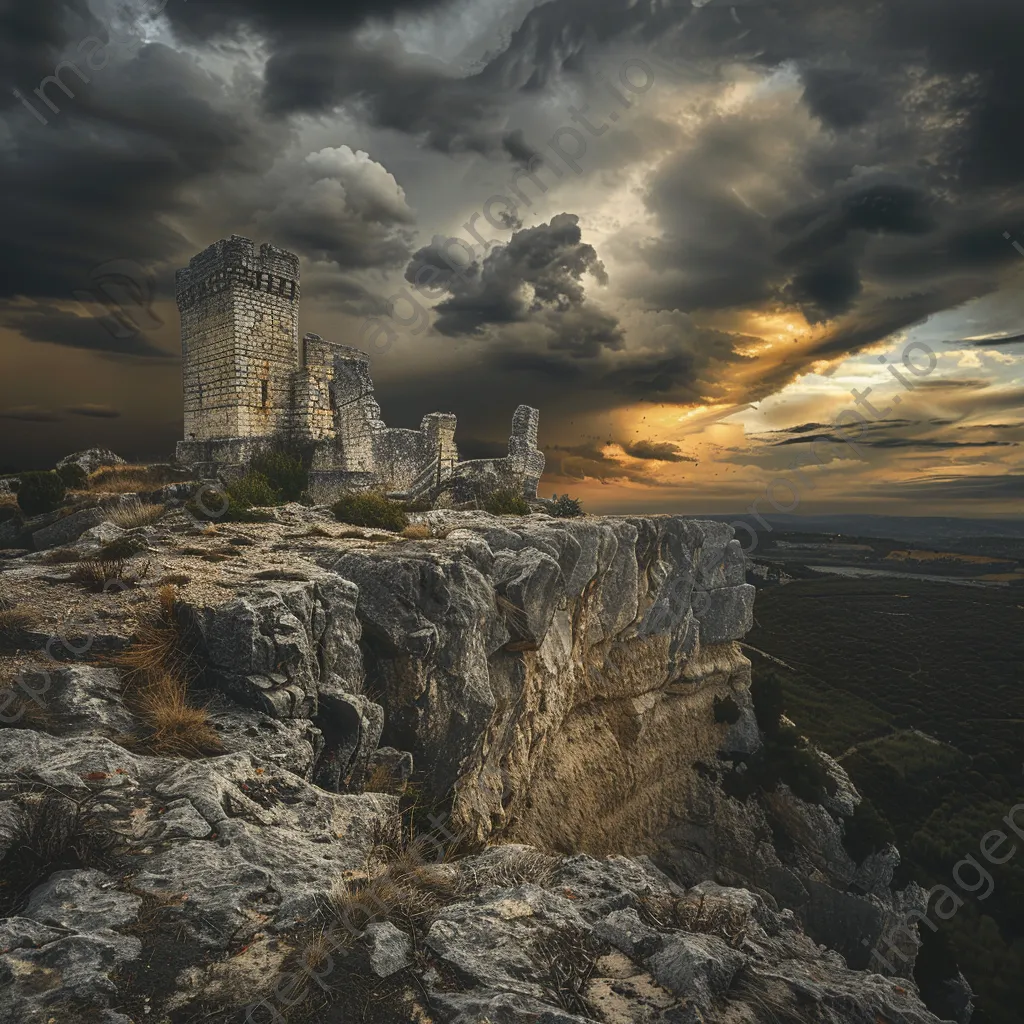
{"x": 223, "y": 506}
{"x": 506, "y": 502}
{"x": 284, "y": 472}
{"x": 566, "y": 507}
{"x": 252, "y": 491}
{"x": 75, "y": 478}
{"x": 371, "y": 509}
{"x": 726, "y": 711}
{"x": 40, "y": 492}
{"x": 121, "y": 550}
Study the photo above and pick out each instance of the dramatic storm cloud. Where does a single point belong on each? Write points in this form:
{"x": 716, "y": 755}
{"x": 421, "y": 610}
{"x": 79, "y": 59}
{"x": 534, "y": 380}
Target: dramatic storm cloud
{"x": 688, "y": 232}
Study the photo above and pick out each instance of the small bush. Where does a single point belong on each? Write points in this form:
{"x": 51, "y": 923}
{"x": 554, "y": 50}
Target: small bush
{"x": 220, "y": 506}
{"x": 40, "y": 493}
{"x": 566, "y": 507}
{"x": 75, "y": 478}
{"x": 285, "y": 474}
{"x": 369, "y": 509}
{"x": 506, "y": 502}
{"x": 120, "y": 550}
{"x": 253, "y": 491}
{"x": 726, "y": 711}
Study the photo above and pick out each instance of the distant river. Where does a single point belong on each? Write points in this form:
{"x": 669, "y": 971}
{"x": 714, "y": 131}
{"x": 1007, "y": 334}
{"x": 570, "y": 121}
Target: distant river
{"x": 855, "y": 572}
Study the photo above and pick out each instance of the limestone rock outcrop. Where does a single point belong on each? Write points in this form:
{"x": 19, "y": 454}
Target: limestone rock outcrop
{"x": 552, "y": 693}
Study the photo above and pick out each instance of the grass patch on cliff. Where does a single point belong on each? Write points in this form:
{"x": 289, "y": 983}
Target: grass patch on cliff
{"x": 128, "y": 478}
{"x": 506, "y": 502}
{"x": 135, "y": 514}
{"x": 157, "y": 691}
{"x": 114, "y": 567}
{"x": 371, "y": 509}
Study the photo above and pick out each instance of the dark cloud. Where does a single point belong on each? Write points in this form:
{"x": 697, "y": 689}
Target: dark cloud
{"x": 537, "y": 276}
{"x": 842, "y": 98}
{"x": 589, "y": 461}
{"x": 975, "y": 488}
{"x": 1012, "y": 339}
{"x": 102, "y": 332}
{"x": 101, "y": 412}
{"x": 278, "y": 20}
{"x": 660, "y": 451}
{"x": 922, "y": 444}
{"x": 106, "y": 177}
{"x": 29, "y": 414}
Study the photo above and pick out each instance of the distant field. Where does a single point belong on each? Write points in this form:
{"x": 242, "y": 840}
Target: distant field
{"x": 918, "y": 688}
{"x": 942, "y": 556}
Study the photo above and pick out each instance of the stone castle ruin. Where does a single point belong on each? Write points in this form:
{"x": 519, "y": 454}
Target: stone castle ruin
{"x": 250, "y": 385}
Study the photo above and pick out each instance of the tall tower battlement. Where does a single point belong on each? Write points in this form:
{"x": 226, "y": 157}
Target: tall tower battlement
{"x": 239, "y": 333}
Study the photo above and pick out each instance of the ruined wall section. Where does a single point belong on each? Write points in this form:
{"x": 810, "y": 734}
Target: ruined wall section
{"x": 239, "y": 325}
{"x": 412, "y": 462}
{"x": 520, "y": 470}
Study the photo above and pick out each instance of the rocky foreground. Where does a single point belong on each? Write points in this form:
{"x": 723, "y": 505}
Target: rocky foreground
{"x": 493, "y": 770}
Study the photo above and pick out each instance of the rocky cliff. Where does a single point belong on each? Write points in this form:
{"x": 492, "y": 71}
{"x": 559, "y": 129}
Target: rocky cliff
{"x": 506, "y": 769}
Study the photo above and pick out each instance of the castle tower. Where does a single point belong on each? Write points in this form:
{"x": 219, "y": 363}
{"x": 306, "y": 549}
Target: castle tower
{"x": 239, "y": 338}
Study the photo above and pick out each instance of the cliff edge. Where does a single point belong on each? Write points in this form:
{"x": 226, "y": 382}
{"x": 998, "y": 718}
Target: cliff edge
{"x": 498, "y": 769}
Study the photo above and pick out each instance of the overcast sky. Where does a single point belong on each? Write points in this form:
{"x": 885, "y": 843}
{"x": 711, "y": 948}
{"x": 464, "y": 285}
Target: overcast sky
{"x": 740, "y": 218}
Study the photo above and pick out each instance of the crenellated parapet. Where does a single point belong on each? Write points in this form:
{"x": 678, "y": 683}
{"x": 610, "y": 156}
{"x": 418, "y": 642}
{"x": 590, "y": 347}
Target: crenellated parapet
{"x": 234, "y": 262}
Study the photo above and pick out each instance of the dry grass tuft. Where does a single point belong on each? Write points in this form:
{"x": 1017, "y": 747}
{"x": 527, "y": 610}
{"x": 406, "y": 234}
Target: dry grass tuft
{"x": 102, "y": 574}
{"x": 376, "y": 538}
{"x": 515, "y": 867}
{"x": 418, "y": 531}
{"x": 175, "y": 579}
{"x": 16, "y": 621}
{"x": 134, "y": 515}
{"x": 405, "y": 883}
{"x": 125, "y": 479}
{"x": 380, "y": 780}
{"x": 51, "y": 832}
{"x": 564, "y": 962}
{"x": 177, "y": 728}
{"x": 157, "y": 689}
